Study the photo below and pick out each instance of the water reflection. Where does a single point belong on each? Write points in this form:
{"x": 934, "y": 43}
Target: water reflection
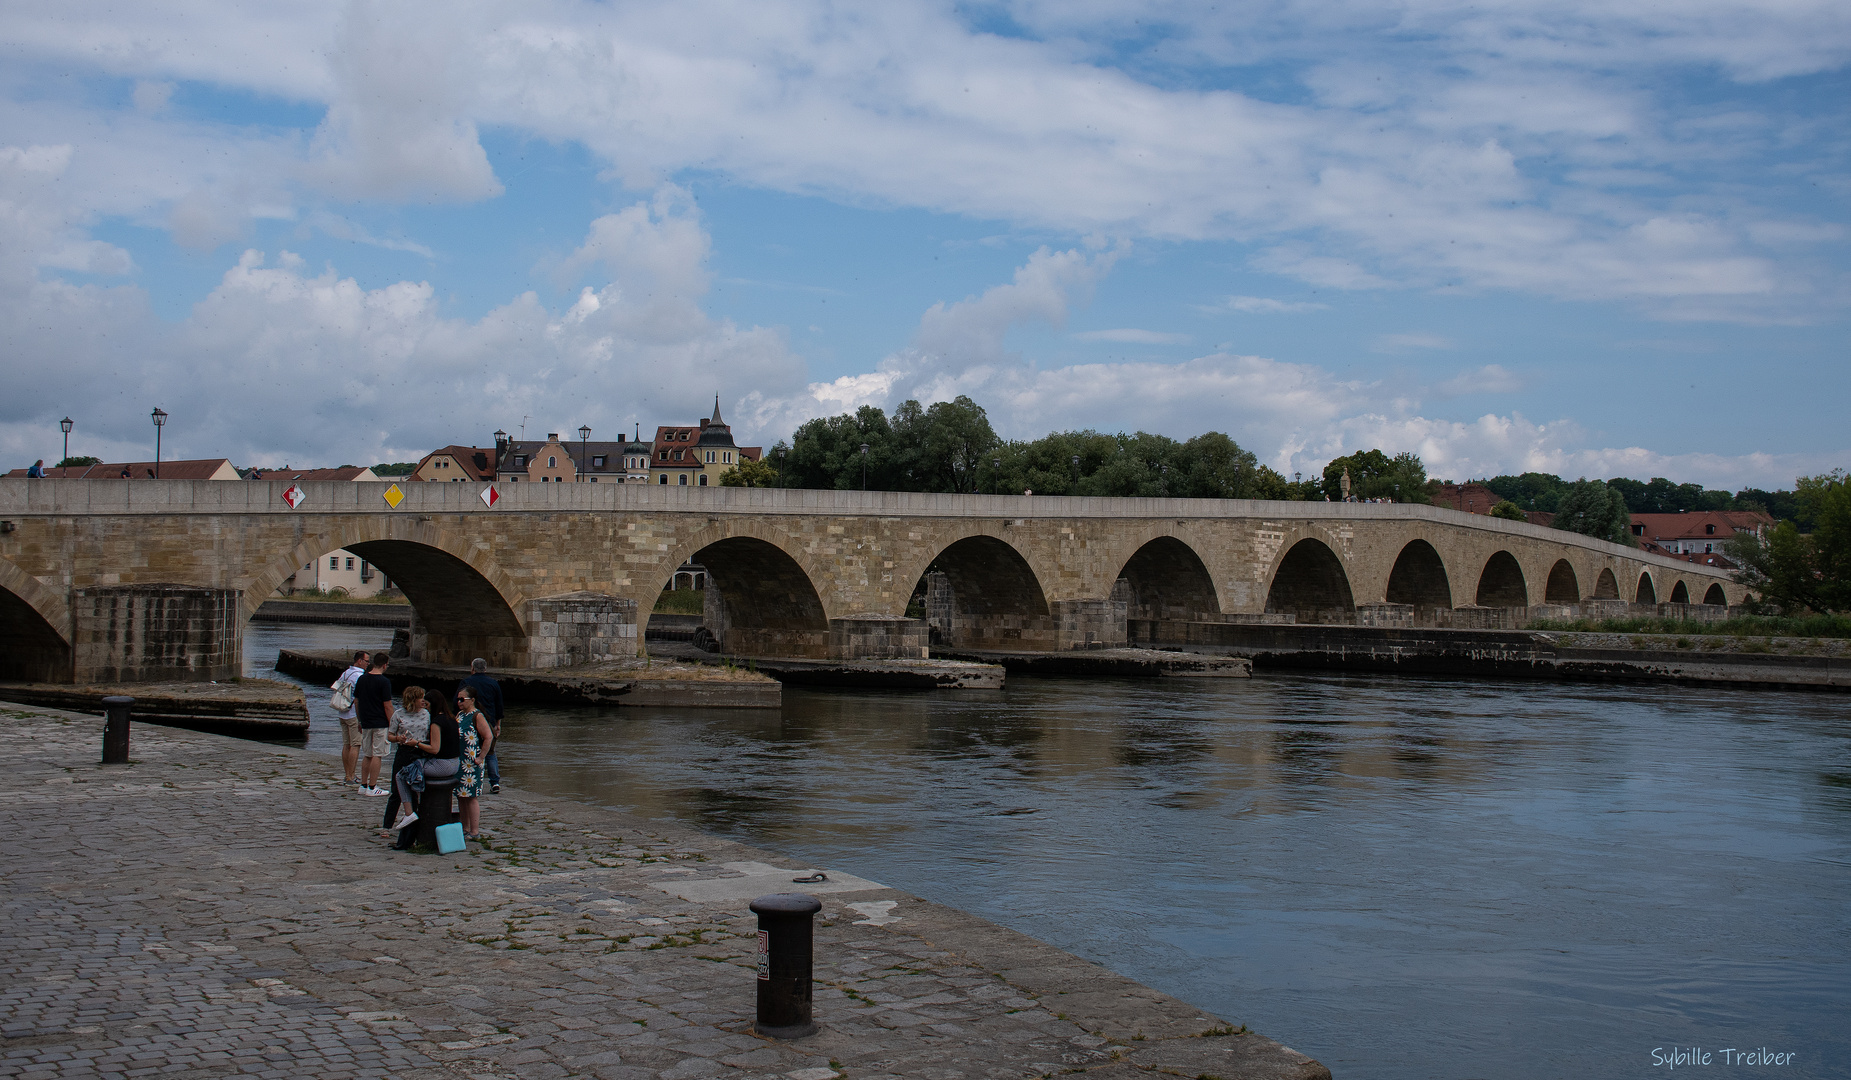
{"x": 1404, "y": 877}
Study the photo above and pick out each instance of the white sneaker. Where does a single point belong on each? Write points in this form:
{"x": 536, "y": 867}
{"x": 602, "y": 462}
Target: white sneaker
{"x": 374, "y": 791}
{"x": 406, "y": 821}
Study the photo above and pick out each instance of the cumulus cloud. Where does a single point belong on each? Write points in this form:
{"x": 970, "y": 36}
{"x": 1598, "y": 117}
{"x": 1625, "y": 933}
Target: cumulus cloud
{"x": 1433, "y": 145}
{"x": 1490, "y": 379}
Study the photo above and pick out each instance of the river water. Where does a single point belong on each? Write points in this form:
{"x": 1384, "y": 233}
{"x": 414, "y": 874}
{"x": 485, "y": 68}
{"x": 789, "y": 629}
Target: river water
{"x": 1405, "y": 878}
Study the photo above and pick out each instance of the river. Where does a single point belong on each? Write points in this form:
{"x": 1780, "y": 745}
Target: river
{"x": 1405, "y": 878}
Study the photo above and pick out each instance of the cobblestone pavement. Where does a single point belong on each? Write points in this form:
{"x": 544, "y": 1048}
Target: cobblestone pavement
{"x": 225, "y": 908}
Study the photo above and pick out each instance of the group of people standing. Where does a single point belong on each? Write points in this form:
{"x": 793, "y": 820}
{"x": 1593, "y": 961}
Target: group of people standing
{"x": 436, "y": 739}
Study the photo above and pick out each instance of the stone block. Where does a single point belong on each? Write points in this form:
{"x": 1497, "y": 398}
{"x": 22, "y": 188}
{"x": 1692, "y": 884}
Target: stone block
{"x": 1089, "y": 624}
{"x": 878, "y": 637}
{"x": 1401, "y": 615}
{"x": 579, "y": 628}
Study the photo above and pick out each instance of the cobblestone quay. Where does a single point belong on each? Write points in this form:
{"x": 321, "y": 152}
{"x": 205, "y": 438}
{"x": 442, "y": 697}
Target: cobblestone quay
{"x": 227, "y": 908}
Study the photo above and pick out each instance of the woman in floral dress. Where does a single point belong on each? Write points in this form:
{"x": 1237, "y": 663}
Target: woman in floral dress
{"x": 478, "y": 739}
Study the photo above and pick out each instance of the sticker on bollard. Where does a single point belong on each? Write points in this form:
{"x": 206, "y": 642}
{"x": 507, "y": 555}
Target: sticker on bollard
{"x": 785, "y": 944}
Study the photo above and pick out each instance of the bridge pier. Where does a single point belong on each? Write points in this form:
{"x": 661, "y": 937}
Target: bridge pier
{"x": 156, "y": 633}
{"x": 1089, "y": 624}
{"x": 573, "y": 628}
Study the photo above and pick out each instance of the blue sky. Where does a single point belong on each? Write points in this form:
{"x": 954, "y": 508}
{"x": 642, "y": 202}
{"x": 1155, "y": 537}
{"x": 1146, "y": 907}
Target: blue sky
{"x": 1581, "y": 237}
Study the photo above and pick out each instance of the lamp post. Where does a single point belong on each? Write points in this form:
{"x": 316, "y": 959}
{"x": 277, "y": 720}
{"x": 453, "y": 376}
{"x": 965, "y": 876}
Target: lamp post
{"x": 160, "y": 421}
{"x": 996, "y": 468}
{"x": 65, "y": 426}
{"x": 584, "y": 450}
{"x": 864, "y": 466}
{"x": 1076, "y": 473}
{"x": 1164, "y": 483}
{"x": 780, "y": 453}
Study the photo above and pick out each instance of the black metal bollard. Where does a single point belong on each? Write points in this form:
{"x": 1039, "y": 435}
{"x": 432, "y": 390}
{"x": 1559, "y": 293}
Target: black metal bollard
{"x": 784, "y": 953}
{"x": 116, "y": 730}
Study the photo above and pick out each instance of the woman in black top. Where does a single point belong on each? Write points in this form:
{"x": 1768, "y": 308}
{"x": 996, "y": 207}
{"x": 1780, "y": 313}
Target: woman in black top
{"x": 442, "y": 747}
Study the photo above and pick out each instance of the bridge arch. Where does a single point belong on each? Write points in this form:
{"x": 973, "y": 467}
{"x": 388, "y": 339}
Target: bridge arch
{"x": 769, "y": 602}
{"x": 1501, "y": 583}
{"x": 463, "y": 604}
{"x": 990, "y": 595}
{"x": 1715, "y": 595}
{"x": 1563, "y": 587}
{"x": 1680, "y": 593}
{"x": 1606, "y": 586}
{"x": 1168, "y": 580}
{"x": 1646, "y": 593}
{"x": 35, "y": 629}
{"x": 1419, "y": 578}
{"x": 1309, "y": 582}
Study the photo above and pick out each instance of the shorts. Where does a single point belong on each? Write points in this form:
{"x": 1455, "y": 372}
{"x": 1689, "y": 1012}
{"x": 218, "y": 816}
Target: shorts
{"x": 350, "y": 732}
{"x": 373, "y": 743}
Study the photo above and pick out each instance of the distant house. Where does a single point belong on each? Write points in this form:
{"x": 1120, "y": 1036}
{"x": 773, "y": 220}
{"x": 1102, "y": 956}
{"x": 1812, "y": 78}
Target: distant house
{"x": 558, "y": 461}
{"x": 198, "y": 469}
{"x": 455, "y": 464}
{"x": 1697, "y": 536}
{"x": 344, "y": 473}
{"x": 697, "y": 456}
{"x": 1473, "y": 498}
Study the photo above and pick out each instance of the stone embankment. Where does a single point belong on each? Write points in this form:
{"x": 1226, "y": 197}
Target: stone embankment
{"x": 331, "y": 611}
{"x": 225, "y": 908}
{"x": 1700, "y": 659}
{"x": 639, "y": 682}
{"x": 249, "y": 708}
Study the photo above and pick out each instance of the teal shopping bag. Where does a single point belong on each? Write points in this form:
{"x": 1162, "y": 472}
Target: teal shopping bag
{"x": 449, "y": 838}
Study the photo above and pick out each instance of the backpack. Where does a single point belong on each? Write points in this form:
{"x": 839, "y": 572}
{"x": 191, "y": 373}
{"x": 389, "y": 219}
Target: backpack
{"x": 343, "y": 694}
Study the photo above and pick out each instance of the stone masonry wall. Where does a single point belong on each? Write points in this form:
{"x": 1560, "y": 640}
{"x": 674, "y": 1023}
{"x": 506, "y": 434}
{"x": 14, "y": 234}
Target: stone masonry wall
{"x": 157, "y": 633}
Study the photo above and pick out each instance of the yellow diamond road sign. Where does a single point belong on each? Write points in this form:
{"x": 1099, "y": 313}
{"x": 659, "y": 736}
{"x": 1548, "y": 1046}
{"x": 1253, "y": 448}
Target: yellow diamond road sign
{"x": 394, "y": 496}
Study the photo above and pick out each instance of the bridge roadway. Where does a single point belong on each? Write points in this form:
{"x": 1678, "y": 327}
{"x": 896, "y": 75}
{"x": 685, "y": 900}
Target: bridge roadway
{"x": 105, "y": 580}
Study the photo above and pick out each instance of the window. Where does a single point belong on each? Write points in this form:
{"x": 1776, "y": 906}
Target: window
{"x": 520, "y": 461}
{"x": 677, "y": 455}
{"x": 727, "y": 457}
{"x": 665, "y": 478}
{"x": 665, "y": 455}
{"x": 1707, "y": 548}
{"x": 544, "y": 479}
{"x": 594, "y": 479}
{"x": 710, "y": 457}
{"x": 552, "y": 462}
{"x": 1709, "y": 530}
{"x": 334, "y": 562}
{"x": 682, "y": 479}
{"x": 703, "y": 479}
{"x": 597, "y": 461}
{"x": 350, "y": 562}
{"x": 514, "y": 479}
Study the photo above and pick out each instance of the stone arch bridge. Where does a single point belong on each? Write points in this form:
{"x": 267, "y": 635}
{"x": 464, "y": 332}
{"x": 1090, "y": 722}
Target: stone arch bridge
{"x": 104, "y": 580}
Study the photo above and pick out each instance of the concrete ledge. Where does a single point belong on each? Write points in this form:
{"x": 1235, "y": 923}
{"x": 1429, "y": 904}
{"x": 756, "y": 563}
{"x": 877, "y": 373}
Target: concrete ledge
{"x": 631, "y": 683}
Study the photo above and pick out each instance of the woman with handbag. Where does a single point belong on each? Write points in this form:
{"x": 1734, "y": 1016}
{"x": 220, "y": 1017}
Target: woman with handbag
{"x": 478, "y": 740}
{"x": 441, "y": 749}
{"x": 413, "y": 718}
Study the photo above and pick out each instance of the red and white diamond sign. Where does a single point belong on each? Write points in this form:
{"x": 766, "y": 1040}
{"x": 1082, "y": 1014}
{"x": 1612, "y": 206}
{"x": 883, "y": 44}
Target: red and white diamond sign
{"x": 490, "y": 497}
{"x": 294, "y": 496}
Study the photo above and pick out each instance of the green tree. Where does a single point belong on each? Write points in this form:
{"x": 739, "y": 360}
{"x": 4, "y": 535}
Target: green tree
{"x": 1508, "y": 510}
{"x": 1531, "y": 490}
{"x": 1591, "y": 508}
{"x": 79, "y": 462}
{"x": 394, "y": 468}
{"x": 1793, "y": 571}
{"x": 1375, "y": 475}
{"x": 750, "y": 474}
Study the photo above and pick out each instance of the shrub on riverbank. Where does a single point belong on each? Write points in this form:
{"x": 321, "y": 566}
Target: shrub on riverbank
{"x": 340, "y": 597}
{"x": 1808, "y": 626}
{"x": 682, "y": 602}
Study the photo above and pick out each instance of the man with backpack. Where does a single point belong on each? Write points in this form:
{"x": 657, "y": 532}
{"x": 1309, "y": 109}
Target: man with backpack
{"x": 372, "y": 702}
{"x": 343, "y": 705}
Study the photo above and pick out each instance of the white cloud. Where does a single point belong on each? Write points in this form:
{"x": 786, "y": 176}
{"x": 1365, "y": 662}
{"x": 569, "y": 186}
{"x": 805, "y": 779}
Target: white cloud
{"x": 1439, "y": 145}
{"x": 1132, "y": 336}
{"x": 1266, "y": 305}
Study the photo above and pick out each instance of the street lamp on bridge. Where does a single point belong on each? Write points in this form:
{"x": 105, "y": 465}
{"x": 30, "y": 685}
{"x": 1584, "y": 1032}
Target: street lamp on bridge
{"x": 584, "y": 450}
{"x": 160, "y": 421}
{"x": 65, "y": 426}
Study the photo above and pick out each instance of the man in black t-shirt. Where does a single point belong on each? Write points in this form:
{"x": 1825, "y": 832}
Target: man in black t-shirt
{"x": 372, "y": 703}
{"x": 488, "y": 698}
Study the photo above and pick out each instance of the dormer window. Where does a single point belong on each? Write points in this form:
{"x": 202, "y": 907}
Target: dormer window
{"x": 1710, "y": 530}
{"x": 597, "y": 461}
